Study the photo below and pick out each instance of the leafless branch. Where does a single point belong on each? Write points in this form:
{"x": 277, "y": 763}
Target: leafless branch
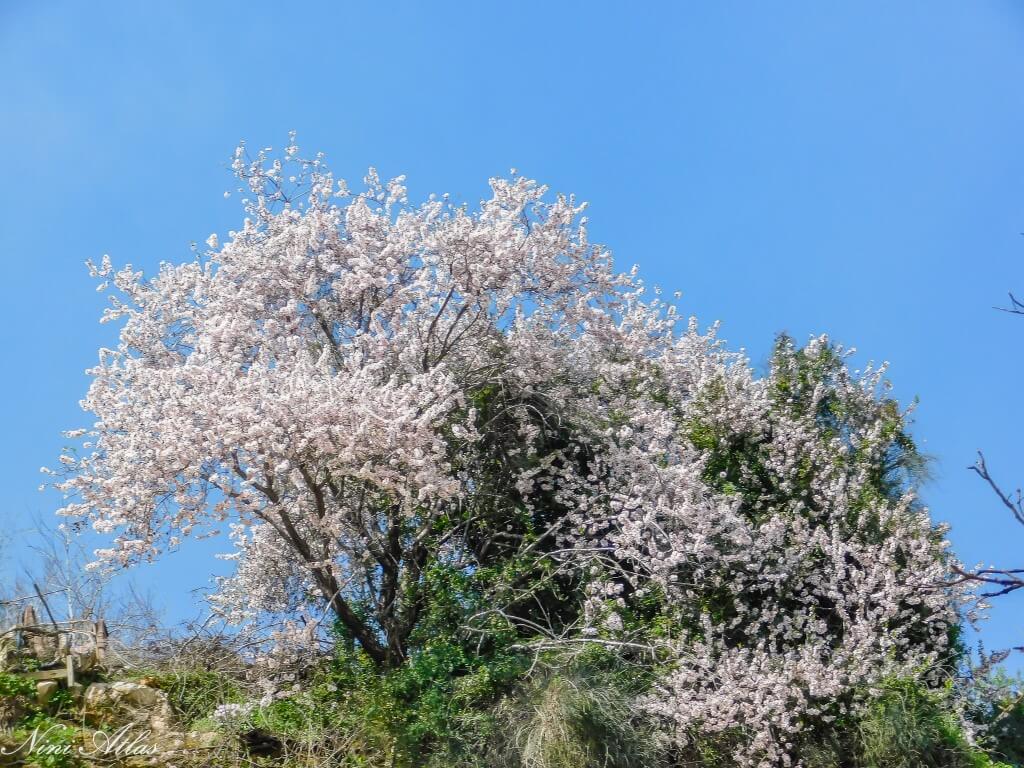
{"x": 1016, "y": 306}
{"x": 1001, "y": 580}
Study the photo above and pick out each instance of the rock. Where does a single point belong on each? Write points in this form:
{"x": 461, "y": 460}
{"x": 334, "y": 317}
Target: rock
{"x": 8, "y": 653}
{"x": 122, "y": 694}
{"x": 162, "y": 721}
{"x": 138, "y": 703}
{"x": 45, "y": 691}
{"x": 136, "y": 695}
{"x": 124, "y": 745}
{"x": 191, "y": 747}
{"x": 12, "y": 709}
{"x": 203, "y": 739}
{"x": 97, "y": 696}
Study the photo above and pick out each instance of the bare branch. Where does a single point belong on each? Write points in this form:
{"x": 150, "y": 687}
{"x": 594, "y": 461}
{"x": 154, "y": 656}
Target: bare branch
{"x": 1003, "y": 580}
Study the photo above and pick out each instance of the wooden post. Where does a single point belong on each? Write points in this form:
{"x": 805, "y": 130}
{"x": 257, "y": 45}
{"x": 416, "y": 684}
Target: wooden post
{"x": 40, "y": 645}
{"x": 69, "y": 663}
{"x": 28, "y": 619}
{"x": 101, "y": 640}
{"x": 28, "y": 616}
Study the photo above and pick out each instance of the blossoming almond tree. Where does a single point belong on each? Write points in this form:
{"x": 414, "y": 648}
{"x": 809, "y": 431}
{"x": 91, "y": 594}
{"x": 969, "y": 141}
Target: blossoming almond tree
{"x": 364, "y": 392}
{"x": 318, "y": 383}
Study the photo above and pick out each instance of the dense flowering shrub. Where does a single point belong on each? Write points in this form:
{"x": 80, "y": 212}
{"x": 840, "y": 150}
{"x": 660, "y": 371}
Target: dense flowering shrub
{"x": 773, "y": 518}
{"x": 425, "y": 420}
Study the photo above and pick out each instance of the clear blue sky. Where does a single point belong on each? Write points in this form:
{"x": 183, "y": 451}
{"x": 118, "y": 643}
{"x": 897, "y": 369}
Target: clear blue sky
{"x": 854, "y": 168}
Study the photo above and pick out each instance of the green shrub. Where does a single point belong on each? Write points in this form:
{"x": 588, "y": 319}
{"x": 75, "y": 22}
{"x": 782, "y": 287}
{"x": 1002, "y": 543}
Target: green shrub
{"x": 908, "y": 726}
{"x": 17, "y": 699}
{"x": 1002, "y": 717}
{"x": 577, "y": 716}
{"x": 12, "y": 685}
{"x": 1008, "y": 734}
{"x": 195, "y": 693}
{"x": 56, "y": 747}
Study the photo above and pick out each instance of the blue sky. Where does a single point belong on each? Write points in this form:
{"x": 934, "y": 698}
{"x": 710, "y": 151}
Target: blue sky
{"x": 852, "y": 168}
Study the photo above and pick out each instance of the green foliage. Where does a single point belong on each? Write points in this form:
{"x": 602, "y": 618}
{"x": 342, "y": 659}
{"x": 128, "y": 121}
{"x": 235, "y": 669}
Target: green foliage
{"x": 55, "y": 745}
{"x": 434, "y": 703}
{"x": 802, "y": 377}
{"x": 12, "y": 685}
{"x": 1008, "y": 732}
{"x": 61, "y": 701}
{"x": 1000, "y": 712}
{"x": 446, "y": 708}
{"x": 905, "y": 725}
{"x": 576, "y": 717}
{"x": 908, "y": 726}
{"x": 194, "y": 693}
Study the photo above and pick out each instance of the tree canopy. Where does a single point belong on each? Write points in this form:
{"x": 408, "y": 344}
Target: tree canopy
{"x": 431, "y": 421}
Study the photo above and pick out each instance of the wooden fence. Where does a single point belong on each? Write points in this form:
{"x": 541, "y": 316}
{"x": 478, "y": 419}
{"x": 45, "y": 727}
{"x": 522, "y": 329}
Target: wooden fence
{"x": 58, "y": 650}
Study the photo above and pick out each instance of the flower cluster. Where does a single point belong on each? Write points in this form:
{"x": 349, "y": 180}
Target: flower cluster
{"x": 775, "y": 518}
{"x": 230, "y": 713}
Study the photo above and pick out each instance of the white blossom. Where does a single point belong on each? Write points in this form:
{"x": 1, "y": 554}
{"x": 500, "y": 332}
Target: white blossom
{"x": 308, "y": 385}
